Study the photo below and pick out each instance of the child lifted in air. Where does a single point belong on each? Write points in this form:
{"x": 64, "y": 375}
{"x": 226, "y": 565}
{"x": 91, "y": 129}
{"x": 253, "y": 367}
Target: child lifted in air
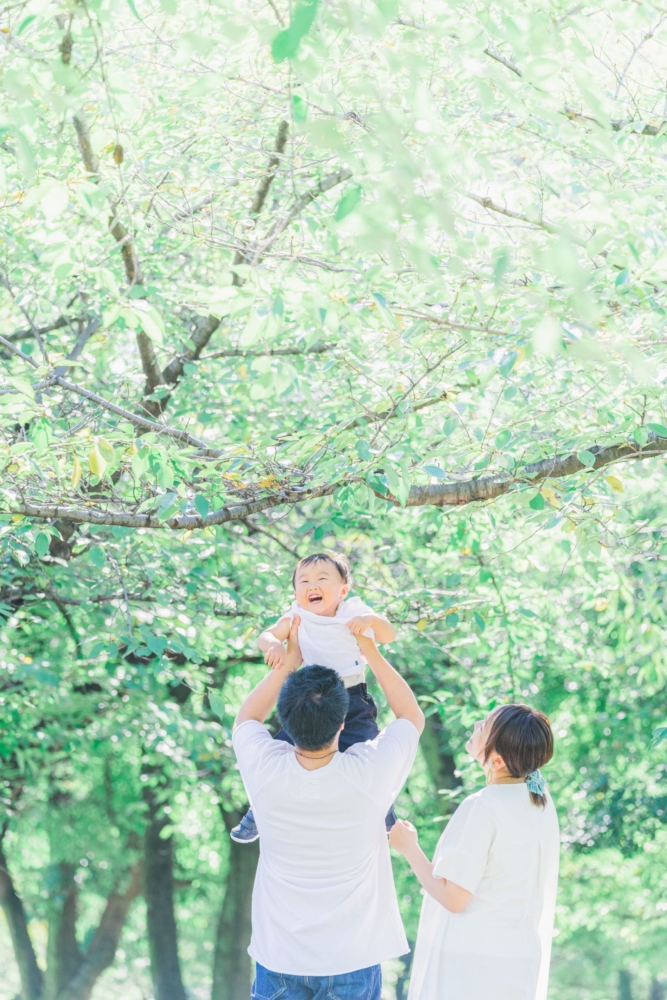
{"x": 327, "y": 630}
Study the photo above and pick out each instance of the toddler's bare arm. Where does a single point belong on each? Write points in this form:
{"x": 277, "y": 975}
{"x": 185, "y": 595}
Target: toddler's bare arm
{"x": 383, "y": 630}
{"x": 271, "y": 642}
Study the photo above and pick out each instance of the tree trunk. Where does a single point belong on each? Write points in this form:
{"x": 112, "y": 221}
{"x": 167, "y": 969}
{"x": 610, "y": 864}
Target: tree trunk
{"x": 159, "y": 894}
{"x": 63, "y": 957}
{"x": 439, "y": 761}
{"x": 657, "y": 991}
{"x": 624, "y": 985}
{"x": 31, "y": 975}
{"x": 102, "y": 949}
{"x": 231, "y": 963}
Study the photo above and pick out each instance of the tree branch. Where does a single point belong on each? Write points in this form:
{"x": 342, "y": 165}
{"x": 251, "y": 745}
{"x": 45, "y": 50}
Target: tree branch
{"x": 205, "y": 326}
{"x": 537, "y": 223}
{"x": 57, "y": 324}
{"x": 492, "y": 51}
{"x": 332, "y": 180}
{"x": 440, "y": 495}
{"x": 236, "y": 512}
{"x": 146, "y": 425}
{"x": 254, "y": 528}
{"x": 86, "y": 333}
{"x": 617, "y": 125}
{"x": 128, "y": 251}
{"x": 238, "y": 352}
{"x": 17, "y": 595}
{"x": 489, "y": 487}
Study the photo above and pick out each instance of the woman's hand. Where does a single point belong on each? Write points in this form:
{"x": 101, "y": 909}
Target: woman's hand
{"x": 403, "y": 836}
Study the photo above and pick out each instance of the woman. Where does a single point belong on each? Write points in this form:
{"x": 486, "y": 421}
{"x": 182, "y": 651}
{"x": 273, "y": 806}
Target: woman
{"x": 487, "y": 919}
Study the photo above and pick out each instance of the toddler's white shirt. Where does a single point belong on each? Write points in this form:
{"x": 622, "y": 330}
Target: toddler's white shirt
{"x": 328, "y": 641}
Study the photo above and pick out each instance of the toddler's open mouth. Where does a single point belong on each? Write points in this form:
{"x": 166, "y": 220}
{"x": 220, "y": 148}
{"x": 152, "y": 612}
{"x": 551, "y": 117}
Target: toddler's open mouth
{"x": 315, "y": 599}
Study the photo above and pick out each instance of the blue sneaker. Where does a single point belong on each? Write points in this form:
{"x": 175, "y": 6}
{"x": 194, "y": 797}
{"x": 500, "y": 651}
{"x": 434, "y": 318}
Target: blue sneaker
{"x": 246, "y": 832}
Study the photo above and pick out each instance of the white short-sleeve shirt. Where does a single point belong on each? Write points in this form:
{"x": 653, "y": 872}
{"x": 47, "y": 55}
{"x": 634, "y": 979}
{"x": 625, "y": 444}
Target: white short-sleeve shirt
{"x": 328, "y": 642}
{"x": 324, "y": 901}
{"x": 505, "y": 851}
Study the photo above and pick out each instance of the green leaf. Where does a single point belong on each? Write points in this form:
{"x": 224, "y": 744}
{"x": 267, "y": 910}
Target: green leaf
{"x": 42, "y": 435}
{"x": 299, "y": 108}
{"x": 640, "y": 434}
{"x": 202, "y": 505}
{"x": 97, "y": 556}
{"x": 503, "y": 439}
{"x": 252, "y": 330}
{"x": 450, "y": 425}
{"x": 286, "y": 43}
{"x": 507, "y": 363}
{"x": 348, "y": 203}
{"x": 434, "y": 470}
{"x": 537, "y": 503}
{"x": 42, "y": 544}
{"x": 586, "y": 458}
{"x": 527, "y": 613}
{"x": 659, "y": 735}
{"x": 54, "y": 201}
{"x": 479, "y": 621}
{"x": 218, "y": 704}
{"x": 151, "y": 322}
{"x": 363, "y": 450}
{"x": 500, "y": 265}
{"x": 157, "y": 644}
{"x": 658, "y": 429}
{"x": 130, "y": 4}
{"x": 25, "y": 22}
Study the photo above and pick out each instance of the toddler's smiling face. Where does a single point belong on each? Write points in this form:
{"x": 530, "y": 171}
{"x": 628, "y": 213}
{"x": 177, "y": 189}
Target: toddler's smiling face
{"x": 319, "y": 588}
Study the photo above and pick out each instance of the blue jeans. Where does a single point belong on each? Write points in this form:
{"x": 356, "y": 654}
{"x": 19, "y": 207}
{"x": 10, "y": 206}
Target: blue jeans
{"x": 365, "y": 984}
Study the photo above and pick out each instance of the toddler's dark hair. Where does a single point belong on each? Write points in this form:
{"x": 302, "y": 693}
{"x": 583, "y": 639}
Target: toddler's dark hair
{"x": 523, "y": 738}
{"x": 312, "y": 706}
{"x": 340, "y": 562}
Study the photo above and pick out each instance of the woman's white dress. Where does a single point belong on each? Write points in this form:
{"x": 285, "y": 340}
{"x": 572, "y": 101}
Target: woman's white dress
{"x": 504, "y": 850}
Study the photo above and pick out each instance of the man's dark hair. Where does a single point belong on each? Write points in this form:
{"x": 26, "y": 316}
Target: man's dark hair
{"x": 523, "y": 738}
{"x": 312, "y": 706}
{"x": 336, "y": 560}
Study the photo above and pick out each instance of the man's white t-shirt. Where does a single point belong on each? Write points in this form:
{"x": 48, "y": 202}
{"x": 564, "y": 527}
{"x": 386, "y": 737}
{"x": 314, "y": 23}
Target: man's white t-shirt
{"x": 327, "y": 641}
{"x": 324, "y": 901}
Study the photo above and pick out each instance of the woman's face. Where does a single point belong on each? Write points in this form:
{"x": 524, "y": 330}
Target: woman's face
{"x": 475, "y": 745}
{"x": 477, "y": 742}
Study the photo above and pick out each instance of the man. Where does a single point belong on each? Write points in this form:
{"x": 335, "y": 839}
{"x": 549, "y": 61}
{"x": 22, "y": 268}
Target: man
{"x": 324, "y": 909}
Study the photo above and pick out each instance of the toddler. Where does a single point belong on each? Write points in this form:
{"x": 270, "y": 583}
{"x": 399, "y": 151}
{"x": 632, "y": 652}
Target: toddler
{"x": 327, "y": 629}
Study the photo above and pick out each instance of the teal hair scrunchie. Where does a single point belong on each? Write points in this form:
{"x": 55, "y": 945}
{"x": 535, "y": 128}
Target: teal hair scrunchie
{"x": 536, "y": 783}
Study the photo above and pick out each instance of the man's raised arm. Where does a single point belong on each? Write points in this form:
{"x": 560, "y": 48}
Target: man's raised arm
{"x": 261, "y": 700}
{"x": 397, "y": 691}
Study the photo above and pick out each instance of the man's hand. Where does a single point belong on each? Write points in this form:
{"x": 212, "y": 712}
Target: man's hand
{"x": 293, "y": 659}
{"x": 403, "y": 836}
{"x": 360, "y": 624}
{"x": 259, "y": 704}
{"x": 275, "y": 655}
